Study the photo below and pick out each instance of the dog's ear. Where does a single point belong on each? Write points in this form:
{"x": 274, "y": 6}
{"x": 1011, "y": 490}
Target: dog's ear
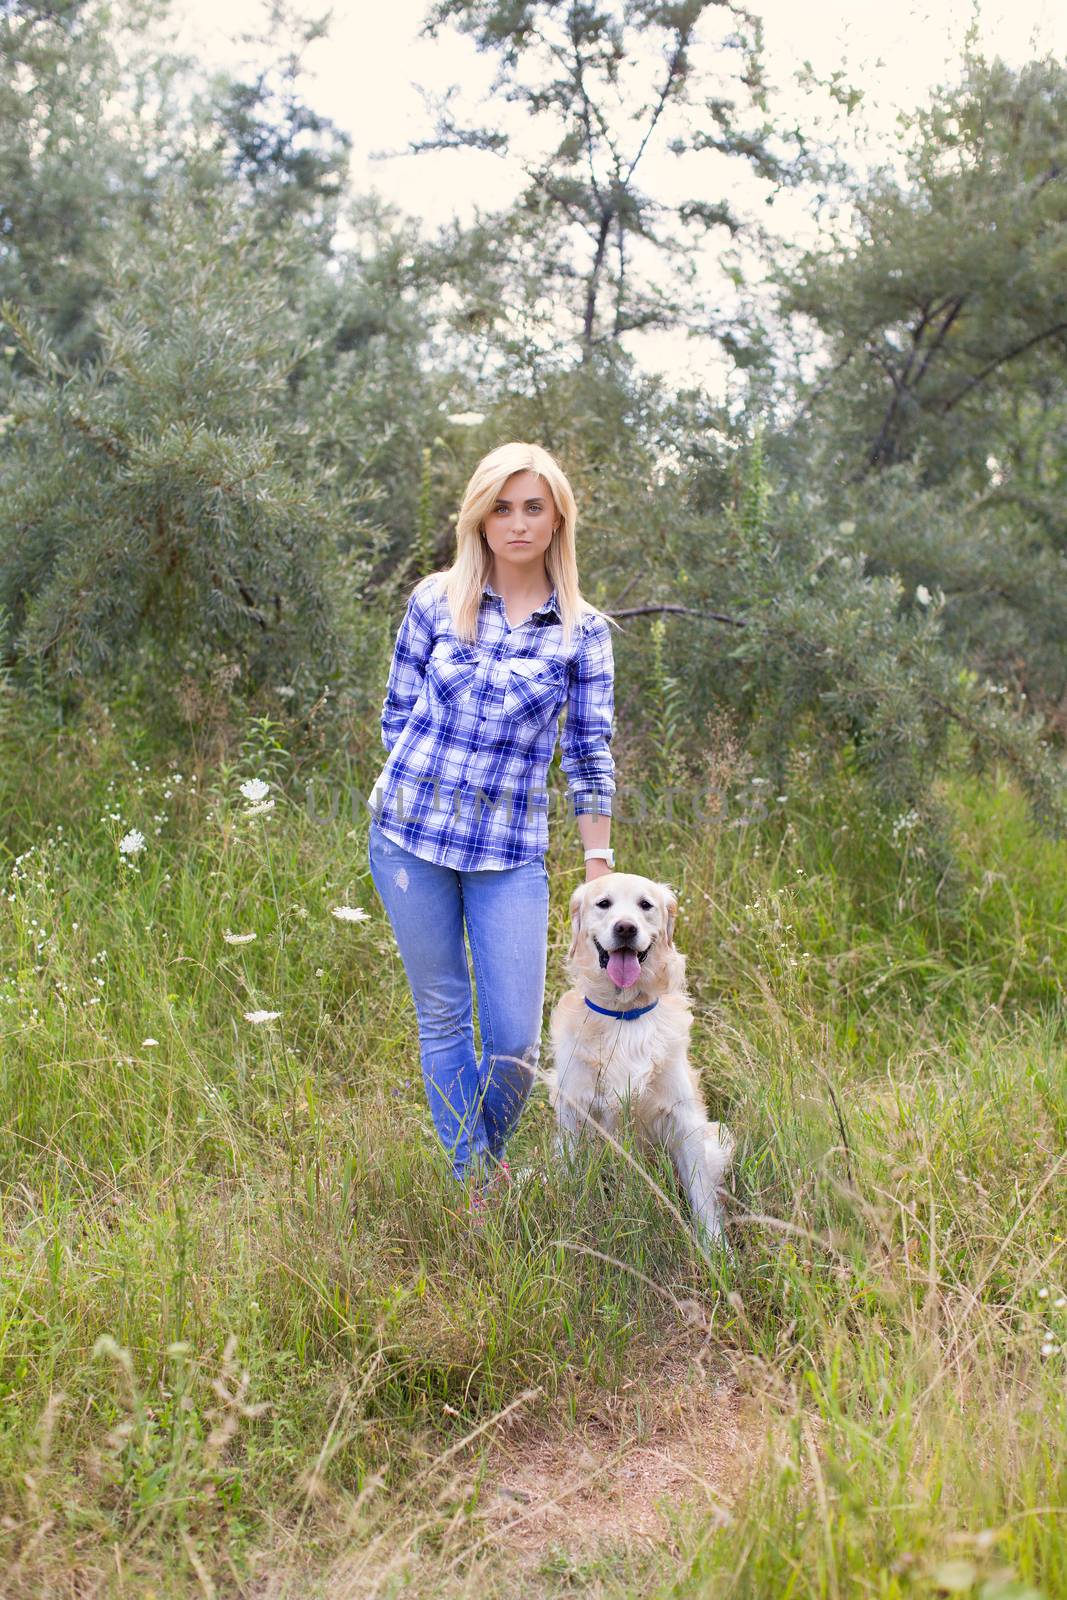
{"x": 577, "y": 906}
{"x": 671, "y": 904}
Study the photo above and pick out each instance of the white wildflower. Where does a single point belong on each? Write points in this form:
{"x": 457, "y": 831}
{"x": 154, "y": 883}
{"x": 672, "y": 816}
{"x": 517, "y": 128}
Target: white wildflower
{"x": 922, "y": 594}
{"x": 259, "y": 808}
{"x": 132, "y": 843}
{"x": 261, "y": 1016}
{"x": 238, "y": 938}
{"x": 146, "y": 1044}
{"x": 905, "y": 823}
{"x": 255, "y": 789}
{"x": 351, "y": 914}
{"x": 466, "y": 419}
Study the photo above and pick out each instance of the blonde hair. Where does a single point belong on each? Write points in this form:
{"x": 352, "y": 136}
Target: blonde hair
{"x": 464, "y": 580}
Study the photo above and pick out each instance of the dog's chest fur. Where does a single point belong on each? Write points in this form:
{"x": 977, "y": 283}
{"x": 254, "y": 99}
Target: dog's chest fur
{"x": 624, "y": 1056}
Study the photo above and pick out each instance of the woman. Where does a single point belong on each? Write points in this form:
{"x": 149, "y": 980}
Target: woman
{"x": 488, "y": 653}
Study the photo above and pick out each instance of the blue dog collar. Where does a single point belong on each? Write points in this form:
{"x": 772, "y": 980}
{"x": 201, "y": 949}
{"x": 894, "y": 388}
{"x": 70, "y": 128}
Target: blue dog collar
{"x": 627, "y": 1016}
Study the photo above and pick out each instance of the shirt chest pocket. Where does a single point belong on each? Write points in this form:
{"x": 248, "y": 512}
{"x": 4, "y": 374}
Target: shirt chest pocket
{"x": 534, "y": 689}
{"x": 450, "y": 673}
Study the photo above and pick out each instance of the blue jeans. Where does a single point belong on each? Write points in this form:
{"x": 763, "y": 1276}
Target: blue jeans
{"x": 475, "y": 1105}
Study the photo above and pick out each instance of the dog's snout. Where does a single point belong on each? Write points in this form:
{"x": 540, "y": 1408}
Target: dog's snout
{"x": 625, "y": 930}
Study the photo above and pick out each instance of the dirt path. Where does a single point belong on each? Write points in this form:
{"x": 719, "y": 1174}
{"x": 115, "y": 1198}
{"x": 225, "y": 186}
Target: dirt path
{"x": 684, "y": 1439}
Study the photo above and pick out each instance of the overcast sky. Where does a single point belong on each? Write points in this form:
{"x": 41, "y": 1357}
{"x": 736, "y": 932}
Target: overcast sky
{"x": 364, "y": 77}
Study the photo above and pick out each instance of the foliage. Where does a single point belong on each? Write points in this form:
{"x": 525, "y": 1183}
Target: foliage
{"x": 291, "y": 158}
{"x": 827, "y": 650}
{"x": 164, "y": 489}
{"x": 80, "y": 144}
{"x": 98, "y": 111}
{"x": 999, "y": 584}
{"x": 935, "y": 421}
{"x": 603, "y": 84}
{"x": 950, "y": 300}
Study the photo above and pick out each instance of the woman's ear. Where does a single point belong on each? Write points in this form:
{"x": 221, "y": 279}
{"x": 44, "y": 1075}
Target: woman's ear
{"x": 671, "y": 905}
{"x": 577, "y": 906}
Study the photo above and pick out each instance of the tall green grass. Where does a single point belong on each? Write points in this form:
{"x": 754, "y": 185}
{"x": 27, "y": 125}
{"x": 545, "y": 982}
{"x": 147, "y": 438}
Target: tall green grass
{"x": 248, "y": 1337}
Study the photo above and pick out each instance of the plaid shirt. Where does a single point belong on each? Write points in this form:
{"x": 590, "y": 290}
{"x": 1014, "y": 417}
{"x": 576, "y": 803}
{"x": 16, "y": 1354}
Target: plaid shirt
{"x": 471, "y": 730}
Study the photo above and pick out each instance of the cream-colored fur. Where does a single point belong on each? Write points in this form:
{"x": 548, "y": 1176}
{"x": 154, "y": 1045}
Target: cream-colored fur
{"x": 599, "y": 1062}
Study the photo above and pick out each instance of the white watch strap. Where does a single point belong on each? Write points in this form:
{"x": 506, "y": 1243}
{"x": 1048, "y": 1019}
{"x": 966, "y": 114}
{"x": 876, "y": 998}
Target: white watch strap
{"x": 601, "y": 853}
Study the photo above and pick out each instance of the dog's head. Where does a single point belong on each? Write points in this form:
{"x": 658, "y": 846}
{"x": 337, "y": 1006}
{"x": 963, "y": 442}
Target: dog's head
{"x": 622, "y": 936}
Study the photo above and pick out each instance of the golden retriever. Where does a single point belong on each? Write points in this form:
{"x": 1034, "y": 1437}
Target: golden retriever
{"x": 622, "y": 959}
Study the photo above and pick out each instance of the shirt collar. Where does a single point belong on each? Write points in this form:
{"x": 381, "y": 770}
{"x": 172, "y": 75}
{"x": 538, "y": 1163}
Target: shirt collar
{"x": 550, "y": 605}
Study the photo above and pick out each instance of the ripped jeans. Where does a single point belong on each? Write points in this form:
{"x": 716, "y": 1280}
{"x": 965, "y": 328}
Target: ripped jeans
{"x": 475, "y": 1105}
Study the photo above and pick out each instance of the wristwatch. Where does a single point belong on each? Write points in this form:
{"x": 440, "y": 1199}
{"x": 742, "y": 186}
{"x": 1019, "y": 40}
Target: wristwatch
{"x": 602, "y": 853}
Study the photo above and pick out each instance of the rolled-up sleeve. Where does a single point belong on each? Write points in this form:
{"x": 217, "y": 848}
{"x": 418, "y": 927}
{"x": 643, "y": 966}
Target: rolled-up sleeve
{"x": 414, "y": 641}
{"x": 588, "y": 726}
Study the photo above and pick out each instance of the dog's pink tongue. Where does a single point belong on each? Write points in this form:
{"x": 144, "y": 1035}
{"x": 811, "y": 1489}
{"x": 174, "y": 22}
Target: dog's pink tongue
{"x": 623, "y": 968}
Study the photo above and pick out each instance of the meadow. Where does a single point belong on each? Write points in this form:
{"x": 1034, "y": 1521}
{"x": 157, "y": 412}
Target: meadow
{"x": 251, "y": 1344}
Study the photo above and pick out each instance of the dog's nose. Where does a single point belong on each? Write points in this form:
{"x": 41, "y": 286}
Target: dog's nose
{"x": 625, "y": 930}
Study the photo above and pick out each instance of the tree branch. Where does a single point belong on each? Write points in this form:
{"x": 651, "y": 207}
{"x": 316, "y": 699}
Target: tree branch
{"x": 679, "y": 611}
{"x": 998, "y": 361}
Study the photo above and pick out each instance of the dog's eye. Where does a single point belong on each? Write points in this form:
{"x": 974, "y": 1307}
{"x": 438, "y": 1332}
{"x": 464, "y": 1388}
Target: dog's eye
{"x": 602, "y": 905}
{"x": 646, "y": 905}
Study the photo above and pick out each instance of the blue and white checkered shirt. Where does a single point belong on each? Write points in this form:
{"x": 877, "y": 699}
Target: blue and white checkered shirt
{"x": 471, "y": 730}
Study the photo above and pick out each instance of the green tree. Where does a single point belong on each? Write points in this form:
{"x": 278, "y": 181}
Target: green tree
{"x": 95, "y": 107}
{"x": 84, "y": 122}
{"x": 782, "y": 623}
{"x": 938, "y": 415}
{"x": 953, "y": 298}
{"x": 293, "y": 160}
{"x": 378, "y": 383}
{"x": 605, "y": 83}
{"x": 167, "y": 490}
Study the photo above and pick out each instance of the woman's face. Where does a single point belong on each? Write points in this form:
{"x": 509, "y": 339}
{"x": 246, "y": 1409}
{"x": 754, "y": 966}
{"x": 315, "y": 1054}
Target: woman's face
{"x": 518, "y": 529}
